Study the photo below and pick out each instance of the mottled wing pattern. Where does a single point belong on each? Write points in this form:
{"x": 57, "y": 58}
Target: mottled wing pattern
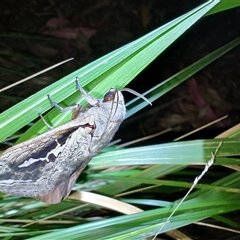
{"x": 61, "y": 191}
{"x": 27, "y": 170}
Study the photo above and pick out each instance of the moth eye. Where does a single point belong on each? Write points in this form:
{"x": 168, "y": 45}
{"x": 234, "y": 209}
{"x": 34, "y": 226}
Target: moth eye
{"x": 109, "y": 96}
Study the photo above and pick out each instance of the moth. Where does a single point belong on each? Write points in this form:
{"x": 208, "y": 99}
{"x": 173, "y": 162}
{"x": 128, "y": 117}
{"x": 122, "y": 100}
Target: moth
{"x": 47, "y": 166}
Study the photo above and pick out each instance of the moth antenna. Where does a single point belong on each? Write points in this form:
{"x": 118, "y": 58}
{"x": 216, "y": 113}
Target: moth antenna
{"x": 117, "y": 105}
{"x": 137, "y": 94}
{"x": 113, "y": 114}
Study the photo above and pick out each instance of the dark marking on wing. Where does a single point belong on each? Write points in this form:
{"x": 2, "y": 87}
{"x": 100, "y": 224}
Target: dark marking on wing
{"x": 52, "y": 144}
{"x": 34, "y": 170}
{"x": 65, "y": 134}
{"x": 52, "y": 157}
{"x": 6, "y": 175}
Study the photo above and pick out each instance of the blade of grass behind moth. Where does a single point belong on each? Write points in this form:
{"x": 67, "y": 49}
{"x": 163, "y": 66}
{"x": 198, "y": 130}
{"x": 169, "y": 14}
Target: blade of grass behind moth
{"x": 230, "y": 181}
{"x": 195, "y": 182}
{"x": 176, "y": 153}
{"x": 125, "y": 61}
{"x": 132, "y": 222}
{"x": 137, "y": 56}
{"x": 233, "y": 132}
{"x": 106, "y": 202}
{"x": 147, "y": 218}
{"x": 168, "y": 184}
{"x": 170, "y": 83}
{"x": 223, "y": 5}
{"x": 137, "y": 61}
{"x": 152, "y": 172}
{"x": 34, "y": 75}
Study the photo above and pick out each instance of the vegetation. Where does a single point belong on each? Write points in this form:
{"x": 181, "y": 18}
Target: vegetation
{"x": 137, "y": 171}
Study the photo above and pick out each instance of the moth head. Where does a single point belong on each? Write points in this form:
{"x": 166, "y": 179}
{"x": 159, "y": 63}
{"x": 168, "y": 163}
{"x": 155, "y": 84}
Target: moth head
{"x": 114, "y": 95}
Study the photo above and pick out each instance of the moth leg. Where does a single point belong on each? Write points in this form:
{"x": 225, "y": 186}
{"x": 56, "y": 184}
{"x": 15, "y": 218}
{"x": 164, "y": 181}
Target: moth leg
{"x": 90, "y": 99}
{"x": 76, "y": 111}
{"x": 66, "y": 109}
{"x": 45, "y": 122}
{"x": 75, "y": 108}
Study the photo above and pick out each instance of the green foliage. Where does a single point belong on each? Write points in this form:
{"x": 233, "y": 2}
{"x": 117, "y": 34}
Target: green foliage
{"x": 117, "y": 69}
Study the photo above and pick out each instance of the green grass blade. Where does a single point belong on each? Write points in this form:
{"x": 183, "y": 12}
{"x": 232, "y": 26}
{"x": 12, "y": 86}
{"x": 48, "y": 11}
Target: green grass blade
{"x": 116, "y": 69}
{"x": 196, "y": 152}
{"x": 159, "y": 90}
{"x": 224, "y": 5}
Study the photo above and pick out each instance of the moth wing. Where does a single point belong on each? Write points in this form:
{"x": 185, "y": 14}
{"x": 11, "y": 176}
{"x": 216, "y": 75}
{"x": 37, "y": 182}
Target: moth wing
{"x": 60, "y": 192}
{"x": 47, "y": 171}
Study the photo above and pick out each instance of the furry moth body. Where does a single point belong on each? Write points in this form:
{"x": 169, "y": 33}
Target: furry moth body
{"x": 46, "y": 167}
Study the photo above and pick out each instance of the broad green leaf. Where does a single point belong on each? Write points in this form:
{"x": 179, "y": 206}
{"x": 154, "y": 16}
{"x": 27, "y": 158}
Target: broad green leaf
{"x": 116, "y": 69}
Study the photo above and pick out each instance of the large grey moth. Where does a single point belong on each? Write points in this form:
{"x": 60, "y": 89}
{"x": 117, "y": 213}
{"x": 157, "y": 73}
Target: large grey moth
{"x": 47, "y": 166}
